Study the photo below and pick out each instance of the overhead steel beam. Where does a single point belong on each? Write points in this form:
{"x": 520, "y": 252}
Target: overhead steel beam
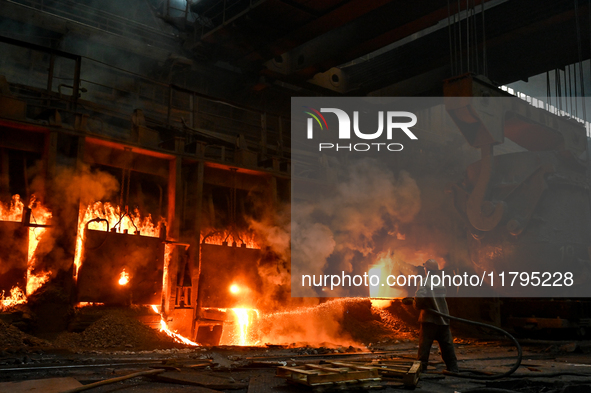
{"x": 340, "y": 44}
{"x": 519, "y": 44}
{"x": 336, "y": 18}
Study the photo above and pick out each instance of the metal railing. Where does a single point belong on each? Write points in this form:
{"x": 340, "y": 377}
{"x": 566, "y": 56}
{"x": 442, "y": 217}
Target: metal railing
{"x": 543, "y": 104}
{"x": 109, "y": 95}
{"x": 222, "y": 12}
{"x": 100, "y": 19}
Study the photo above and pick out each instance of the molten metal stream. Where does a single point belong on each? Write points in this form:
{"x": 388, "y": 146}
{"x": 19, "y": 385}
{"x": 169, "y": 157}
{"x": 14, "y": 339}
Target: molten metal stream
{"x": 164, "y": 328}
{"x": 177, "y": 337}
{"x": 243, "y": 322}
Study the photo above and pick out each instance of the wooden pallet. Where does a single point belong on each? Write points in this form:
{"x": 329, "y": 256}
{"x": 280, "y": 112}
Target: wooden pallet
{"x": 332, "y": 376}
{"x": 407, "y": 372}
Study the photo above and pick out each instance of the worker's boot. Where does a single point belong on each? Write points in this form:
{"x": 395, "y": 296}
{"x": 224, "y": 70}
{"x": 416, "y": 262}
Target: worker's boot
{"x": 453, "y": 367}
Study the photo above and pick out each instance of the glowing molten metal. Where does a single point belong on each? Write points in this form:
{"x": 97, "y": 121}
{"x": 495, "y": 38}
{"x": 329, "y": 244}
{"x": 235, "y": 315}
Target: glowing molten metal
{"x": 123, "y": 278}
{"x": 177, "y": 337}
{"x": 239, "y": 333}
{"x": 243, "y": 322}
{"x": 164, "y": 328}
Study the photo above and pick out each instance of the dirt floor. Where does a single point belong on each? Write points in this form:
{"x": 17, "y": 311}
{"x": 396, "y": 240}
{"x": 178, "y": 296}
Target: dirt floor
{"x": 104, "y": 343}
{"x": 253, "y": 369}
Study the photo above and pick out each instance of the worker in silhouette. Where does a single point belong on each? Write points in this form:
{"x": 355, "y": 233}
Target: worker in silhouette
{"x": 434, "y": 327}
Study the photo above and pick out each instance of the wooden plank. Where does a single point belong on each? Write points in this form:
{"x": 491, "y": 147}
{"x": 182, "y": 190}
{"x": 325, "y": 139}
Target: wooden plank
{"x": 178, "y": 364}
{"x": 409, "y": 374}
{"x": 327, "y": 369}
{"x": 284, "y": 370}
{"x": 354, "y": 366}
{"x": 390, "y": 363}
{"x": 411, "y": 379}
{"x": 347, "y": 385}
{"x": 386, "y": 366}
{"x": 49, "y": 385}
{"x": 328, "y": 376}
{"x": 391, "y": 367}
{"x": 196, "y": 365}
{"x": 353, "y": 375}
{"x": 112, "y": 380}
{"x": 392, "y": 372}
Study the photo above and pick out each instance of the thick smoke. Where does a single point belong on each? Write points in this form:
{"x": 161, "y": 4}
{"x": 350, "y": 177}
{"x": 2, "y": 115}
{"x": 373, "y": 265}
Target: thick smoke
{"x": 436, "y": 232}
{"x": 372, "y": 217}
{"x": 54, "y": 203}
{"x": 342, "y": 230}
{"x": 70, "y": 189}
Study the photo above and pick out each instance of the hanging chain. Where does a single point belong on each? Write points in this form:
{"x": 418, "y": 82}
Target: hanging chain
{"x": 474, "y": 51}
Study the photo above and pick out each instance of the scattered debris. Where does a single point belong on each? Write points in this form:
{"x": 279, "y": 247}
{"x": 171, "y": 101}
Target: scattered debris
{"x": 116, "y": 330}
{"x": 65, "y": 385}
{"x": 11, "y": 336}
{"x": 48, "y": 385}
{"x": 112, "y": 380}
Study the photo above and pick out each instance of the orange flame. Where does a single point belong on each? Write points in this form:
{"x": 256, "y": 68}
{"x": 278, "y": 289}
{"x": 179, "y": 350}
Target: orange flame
{"x": 218, "y": 238}
{"x": 168, "y": 249}
{"x": 240, "y": 334}
{"x": 17, "y": 296}
{"x": 117, "y": 218}
{"x": 123, "y": 277}
{"x": 34, "y": 282}
{"x": 177, "y": 337}
{"x": 88, "y": 304}
{"x": 14, "y": 211}
{"x": 40, "y": 215}
{"x": 164, "y": 328}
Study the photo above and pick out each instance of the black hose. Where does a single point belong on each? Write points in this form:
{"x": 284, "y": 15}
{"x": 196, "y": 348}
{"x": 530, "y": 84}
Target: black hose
{"x": 506, "y": 374}
{"x": 489, "y": 390}
{"x": 487, "y": 377}
{"x": 550, "y": 375}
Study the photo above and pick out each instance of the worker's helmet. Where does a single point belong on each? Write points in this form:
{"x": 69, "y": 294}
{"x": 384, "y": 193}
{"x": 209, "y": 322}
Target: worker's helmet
{"x": 431, "y": 264}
